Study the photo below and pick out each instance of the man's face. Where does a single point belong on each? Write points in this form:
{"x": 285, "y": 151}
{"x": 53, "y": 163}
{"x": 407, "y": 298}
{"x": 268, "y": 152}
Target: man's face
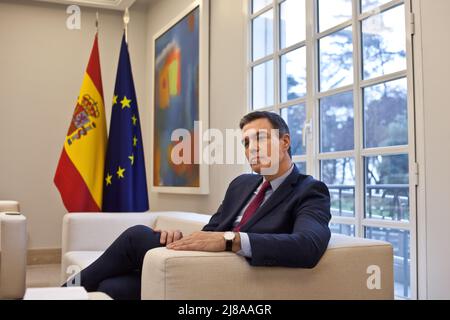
{"x": 264, "y": 148}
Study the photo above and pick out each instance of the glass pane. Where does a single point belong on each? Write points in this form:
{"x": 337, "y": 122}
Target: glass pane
{"x": 337, "y": 123}
{"x": 336, "y": 60}
{"x": 367, "y": 5}
{"x": 400, "y": 240}
{"x": 333, "y": 12}
{"x": 301, "y": 167}
{"x": 259, "y": 4}
{"x": 295, "y": 118}
{"x": 263, "y": 85}
{"x": 345, "y": 229}
{"x": 387, "y": 188}
{"x": 293, "y": 75}
{"x": 262, "y": 28}
{"x": 384, "y": 43}
{"x": 386, "y": 114}
{"x": 292, "y": 22}
{"x": 339, "y": 176}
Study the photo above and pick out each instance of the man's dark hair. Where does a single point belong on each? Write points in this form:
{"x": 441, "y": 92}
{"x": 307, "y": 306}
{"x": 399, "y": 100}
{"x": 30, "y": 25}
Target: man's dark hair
{"x": 275, "y": 120}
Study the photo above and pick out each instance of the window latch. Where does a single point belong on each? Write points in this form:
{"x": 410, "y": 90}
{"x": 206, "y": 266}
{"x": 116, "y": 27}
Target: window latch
{"x": 307, "y": 129}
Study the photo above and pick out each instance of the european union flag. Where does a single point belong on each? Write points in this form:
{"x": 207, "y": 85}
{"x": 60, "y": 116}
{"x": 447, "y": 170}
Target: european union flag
{"x": 125, "y": 187}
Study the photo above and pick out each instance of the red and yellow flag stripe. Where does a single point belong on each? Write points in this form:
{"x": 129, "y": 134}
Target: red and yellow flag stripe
{"x": 79, "y": 176}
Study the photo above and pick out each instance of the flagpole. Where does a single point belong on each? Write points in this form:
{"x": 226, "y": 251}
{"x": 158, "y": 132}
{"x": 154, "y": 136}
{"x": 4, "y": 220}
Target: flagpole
{"x": 126, "y": 20}
{"x": 96, "y": 21}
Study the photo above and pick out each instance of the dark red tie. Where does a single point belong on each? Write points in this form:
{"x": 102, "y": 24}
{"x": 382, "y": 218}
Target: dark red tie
{"x": 253, "y": 206}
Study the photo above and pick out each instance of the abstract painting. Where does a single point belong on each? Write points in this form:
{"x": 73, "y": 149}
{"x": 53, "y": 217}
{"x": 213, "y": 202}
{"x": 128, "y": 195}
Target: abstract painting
{"x": 180, "y": 101}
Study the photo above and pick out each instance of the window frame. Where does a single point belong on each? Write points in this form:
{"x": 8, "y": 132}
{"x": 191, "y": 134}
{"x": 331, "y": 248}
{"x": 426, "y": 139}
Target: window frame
{"x": 311, "y": 131}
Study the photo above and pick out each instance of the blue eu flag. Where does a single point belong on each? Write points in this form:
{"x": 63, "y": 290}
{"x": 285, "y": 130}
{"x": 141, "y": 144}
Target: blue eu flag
{"x": 125, "y": 185}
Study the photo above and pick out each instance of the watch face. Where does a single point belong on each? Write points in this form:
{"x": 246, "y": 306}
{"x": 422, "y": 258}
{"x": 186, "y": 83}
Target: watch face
{"x": 229, "y": 235}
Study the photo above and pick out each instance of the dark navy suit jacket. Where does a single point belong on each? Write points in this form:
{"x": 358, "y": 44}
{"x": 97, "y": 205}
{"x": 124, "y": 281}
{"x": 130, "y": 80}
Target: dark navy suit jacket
{"x": 290, "y": 229}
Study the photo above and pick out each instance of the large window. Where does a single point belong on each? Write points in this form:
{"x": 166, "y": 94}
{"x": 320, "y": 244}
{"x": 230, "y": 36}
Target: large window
{"x": 338, "y": 72}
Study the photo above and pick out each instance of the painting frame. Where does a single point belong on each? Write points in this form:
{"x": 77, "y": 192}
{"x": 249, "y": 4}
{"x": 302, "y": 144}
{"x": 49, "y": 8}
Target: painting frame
{"x": 202, "y": 169}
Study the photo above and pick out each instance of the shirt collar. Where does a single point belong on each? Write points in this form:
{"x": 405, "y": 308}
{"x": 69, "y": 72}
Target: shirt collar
{"x": 275, "y": 183}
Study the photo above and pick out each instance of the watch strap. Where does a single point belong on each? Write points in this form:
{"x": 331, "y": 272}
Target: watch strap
{"x": 228, "y": 245}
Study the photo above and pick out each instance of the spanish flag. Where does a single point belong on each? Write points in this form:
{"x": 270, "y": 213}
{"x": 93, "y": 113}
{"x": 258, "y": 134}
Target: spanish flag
{"x": 79, "y": 176}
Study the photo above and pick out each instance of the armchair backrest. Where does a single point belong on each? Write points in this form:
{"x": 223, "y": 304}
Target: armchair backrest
{"x": 8, "y": 205}
{"x": 96, "y": 231}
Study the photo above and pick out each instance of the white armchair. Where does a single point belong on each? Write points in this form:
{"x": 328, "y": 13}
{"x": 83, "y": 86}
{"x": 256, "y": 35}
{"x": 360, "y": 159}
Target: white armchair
{"x": 13, "y": 250}
{"x": 342, "y": 272}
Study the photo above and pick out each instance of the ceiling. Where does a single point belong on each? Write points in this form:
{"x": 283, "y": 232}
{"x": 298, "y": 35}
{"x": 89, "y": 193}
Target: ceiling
{"x": 104, "y": 4}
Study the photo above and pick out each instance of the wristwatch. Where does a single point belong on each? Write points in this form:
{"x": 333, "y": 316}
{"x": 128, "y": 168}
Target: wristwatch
{"x": 229, "y": 237}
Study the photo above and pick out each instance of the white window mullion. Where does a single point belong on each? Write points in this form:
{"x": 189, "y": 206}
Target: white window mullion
{"x": 336, "y": 155}
{"x": 382, "y": 8}
{"x": 358, "y": 118}
{"x": 262, "y": 60}
{"x": 383, "y": 79}
{"x": 312, "y": 73}
{"x": 389, "y": 224}
{"x": 339, "y": 27}
{"x": 343, "y": 220}
{"x": 248, "y": 55}
{"x": 384, "y": 151}
{"x": 332, "y": 92}
{"x": 276, "y": 49}
{"x": 412, "y": 151}
{"x": 258, "y": 13}
{"x": 292, "y": 103}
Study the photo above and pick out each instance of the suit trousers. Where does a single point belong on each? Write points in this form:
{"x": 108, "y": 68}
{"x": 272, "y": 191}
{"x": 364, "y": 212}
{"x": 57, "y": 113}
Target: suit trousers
{"x": 117, "y": 272}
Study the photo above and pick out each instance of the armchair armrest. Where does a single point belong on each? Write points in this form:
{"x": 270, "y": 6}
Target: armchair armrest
{"x": 342, "y": 273}
{"x": 13, "y": 255}
{"x": 170, "y": 274}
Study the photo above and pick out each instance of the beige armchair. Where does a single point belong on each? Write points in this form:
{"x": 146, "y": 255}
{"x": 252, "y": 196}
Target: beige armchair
{"x": 13, "y": 251}
{"x": 344, "y": 272}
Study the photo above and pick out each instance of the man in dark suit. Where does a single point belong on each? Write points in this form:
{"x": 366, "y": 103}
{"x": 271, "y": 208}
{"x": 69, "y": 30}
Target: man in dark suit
{"x": 277, "y": 217}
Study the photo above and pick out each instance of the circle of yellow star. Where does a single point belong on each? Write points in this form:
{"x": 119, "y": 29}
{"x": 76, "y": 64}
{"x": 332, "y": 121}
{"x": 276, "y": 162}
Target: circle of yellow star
{"x": 131, "y": 159}
{"x": 134, "y": 119}
{"x": 108, "y": 179}
{"x": 135, "y": 141}
{"x": 115, "y": 100}
{"x": 125, "y": 103}
{"x": 120, "y": 172}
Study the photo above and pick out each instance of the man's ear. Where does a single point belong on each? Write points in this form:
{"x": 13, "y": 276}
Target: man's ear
{"x": 286, "y": 140}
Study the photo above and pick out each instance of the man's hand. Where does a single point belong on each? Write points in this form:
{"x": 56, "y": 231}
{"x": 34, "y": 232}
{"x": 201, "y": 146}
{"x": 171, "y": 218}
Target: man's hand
{"x": 204, "y": 241}
{"x": 167, "y": 237}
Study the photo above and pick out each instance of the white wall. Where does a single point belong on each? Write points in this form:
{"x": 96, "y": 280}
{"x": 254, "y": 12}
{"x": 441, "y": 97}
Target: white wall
{"x": 42, "y": 64}
{"x": 433, "y": 106}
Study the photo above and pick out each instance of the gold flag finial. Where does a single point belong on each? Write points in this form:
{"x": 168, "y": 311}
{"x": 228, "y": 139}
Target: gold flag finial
{"x": 96, "y": 21}
{"x": 126, "y": 20}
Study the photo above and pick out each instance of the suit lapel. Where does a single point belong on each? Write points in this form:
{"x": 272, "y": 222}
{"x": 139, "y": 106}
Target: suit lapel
{"x": 278, "y": 196}
{"x": 242, "y": 195}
